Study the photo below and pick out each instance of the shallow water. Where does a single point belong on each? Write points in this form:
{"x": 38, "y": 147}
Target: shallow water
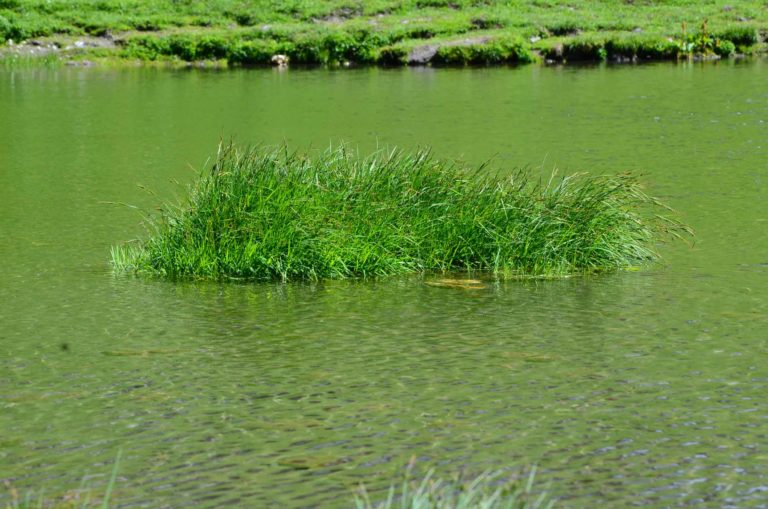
{"x": 637, "y": 388}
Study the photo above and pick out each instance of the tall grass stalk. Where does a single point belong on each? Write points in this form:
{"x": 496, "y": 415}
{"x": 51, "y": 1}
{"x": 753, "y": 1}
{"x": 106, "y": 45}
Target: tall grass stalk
{"x": 483, "y": 492}
{"x": 258, "y": 213}
{"x": 76, "y": 499}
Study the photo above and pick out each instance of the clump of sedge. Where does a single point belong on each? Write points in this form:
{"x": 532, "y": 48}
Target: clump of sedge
{"x": 271, "y": 214}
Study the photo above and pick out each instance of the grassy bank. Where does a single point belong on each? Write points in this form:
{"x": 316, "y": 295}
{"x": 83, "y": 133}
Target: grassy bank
{"x": 273, "y": 214}
{"x": 383, "y": 32}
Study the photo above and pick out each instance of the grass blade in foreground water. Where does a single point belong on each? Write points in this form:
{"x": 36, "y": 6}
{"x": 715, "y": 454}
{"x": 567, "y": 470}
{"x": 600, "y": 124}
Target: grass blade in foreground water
{"x": 486, "y": 491}
{"x": 79, "y": 498}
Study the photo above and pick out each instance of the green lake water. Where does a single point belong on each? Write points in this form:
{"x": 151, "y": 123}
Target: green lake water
{"x": 645, "y": 388}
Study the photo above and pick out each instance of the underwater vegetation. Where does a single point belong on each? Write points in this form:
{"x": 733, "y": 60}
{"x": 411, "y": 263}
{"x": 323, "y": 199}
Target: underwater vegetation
{"x": 80, "y": 498}
{"x": 489, "y": 490}
{"x": 273, "y": 214}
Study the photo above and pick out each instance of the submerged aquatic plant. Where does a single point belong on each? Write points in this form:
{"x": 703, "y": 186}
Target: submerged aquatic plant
{"x": 483, "y": 492}
{"x": 273, "y": 214}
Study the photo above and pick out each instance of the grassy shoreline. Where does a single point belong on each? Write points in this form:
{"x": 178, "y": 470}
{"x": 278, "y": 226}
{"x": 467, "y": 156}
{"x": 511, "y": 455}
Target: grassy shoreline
{"x": 379, "y": 32}
{"x": 271, "y": 214}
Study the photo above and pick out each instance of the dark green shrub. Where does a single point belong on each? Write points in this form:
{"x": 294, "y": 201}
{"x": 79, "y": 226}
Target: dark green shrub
{"x": 488, "y": 53}
{"x": 517, "y": 52}
{"x": 452, "y": 4}
{"x": 339, "y": 46}
{"x": 614, "y": 26}
{"x": 359, "y": 46}
{"x": 212, "y": 47}
{"x": 393, "y": 56}
{"x": 146, "y": 25}
{"x": 584, "y": 49}
{"x": 202, "y": 21}
{"x": 304, "y": 50}
{"x": 453, "y": 55}
{"x": 419, "y": 32}
{"x": 740, "y": 35}
{"x": 96, "y": 30}
{"x": 563, "y": 28}
{"x": 6, "y": 30}
{"x": 724, "y": 48}
{"x": 551, "y": 50}
{"x": 146, "y": 47}
{"x": 292, "y": 8}
{"x": 487, "y": 22}
{"x": 33, "y": 24}
{"x": 622, "y": 48}
{"x": 109, "y": 6}
{"x": 252, "y": 52}
{"x": 641, "y": 48}
{"x": 183, "y": 46}
{"x": 244, "y": 17}
{"x": 15, "y": 30}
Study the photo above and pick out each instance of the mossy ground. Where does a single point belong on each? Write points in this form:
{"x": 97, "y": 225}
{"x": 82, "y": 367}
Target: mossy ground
{"x": 385, "y": 32}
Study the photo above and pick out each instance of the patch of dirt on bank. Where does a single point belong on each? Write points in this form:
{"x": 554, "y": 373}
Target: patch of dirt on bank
{"x": 422, "y": 55}
{"x": 339, "y": 16}
{"x": 63, "y": 45}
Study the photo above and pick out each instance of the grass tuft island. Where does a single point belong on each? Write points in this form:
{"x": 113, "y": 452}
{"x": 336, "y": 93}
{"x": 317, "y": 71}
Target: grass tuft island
{"x": 272, "y": 214}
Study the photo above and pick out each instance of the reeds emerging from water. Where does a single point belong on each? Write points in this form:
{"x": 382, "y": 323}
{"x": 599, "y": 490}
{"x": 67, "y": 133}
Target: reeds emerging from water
{"x": 80, "y": 498}
{"x": 261, "y": 213}
{"x": 482, "y": 492}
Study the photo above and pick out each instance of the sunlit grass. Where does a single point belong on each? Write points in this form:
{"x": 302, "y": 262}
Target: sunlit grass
{"x": 260, "y": 213}
{"x": 486, "y": 491}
